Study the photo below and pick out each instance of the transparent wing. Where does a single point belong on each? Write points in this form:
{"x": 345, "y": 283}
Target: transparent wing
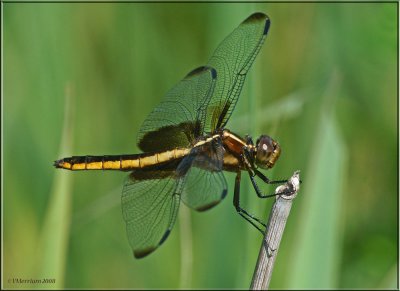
{"x": 204, "y": 189}
{"x": 150, "y": 203}
{"x": 205, "y": 185}
{"x": 180, "y": 117}
{"x": 232, "y": 60}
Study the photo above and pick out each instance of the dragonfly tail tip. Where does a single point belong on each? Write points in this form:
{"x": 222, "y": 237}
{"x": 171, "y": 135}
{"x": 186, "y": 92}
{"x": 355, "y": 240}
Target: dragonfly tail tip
{"x": 58, "y": 163}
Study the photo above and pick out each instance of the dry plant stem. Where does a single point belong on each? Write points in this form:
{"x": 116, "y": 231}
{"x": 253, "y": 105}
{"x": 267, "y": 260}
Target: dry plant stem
{"x": 273, "y": 233}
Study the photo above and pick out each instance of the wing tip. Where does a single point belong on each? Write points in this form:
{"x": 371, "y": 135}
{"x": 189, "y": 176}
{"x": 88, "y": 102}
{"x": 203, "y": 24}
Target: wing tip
{"x": 164, "y": 237}
{"x": 138, "y": 254}
{"x": 213, "y": 73}
{"x": 213, "y": 203}
{"x": 141, "y": 253}
{"x": 201, "y": 70}
{"x": 259, "y": 16}
{"x": 224, "y": 192}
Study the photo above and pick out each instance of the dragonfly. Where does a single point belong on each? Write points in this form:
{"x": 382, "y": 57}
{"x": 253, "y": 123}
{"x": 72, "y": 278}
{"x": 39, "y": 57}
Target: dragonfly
{"x": 186, "y": 146}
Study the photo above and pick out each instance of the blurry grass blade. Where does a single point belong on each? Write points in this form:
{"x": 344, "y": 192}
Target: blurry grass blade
{"x": 286, "y": 107}
{"x": 315, "y": 262}
{"x": 390, "y": 281}
{"x": 186, "y": 248}
{"x": 55, "y": 233}
{"x": 98, "y": 208}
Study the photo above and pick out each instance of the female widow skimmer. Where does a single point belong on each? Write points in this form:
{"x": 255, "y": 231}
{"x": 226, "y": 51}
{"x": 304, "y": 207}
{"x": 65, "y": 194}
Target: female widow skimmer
{"x": 186, "y": 146}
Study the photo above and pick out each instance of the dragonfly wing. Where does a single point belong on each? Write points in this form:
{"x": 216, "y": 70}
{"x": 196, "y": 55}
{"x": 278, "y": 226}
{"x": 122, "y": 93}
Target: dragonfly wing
{"x": 232, "y": 60}
{"x": 180, "y": 117}
{"x": 204, "y": 189}
{"x": 205, "y": 185}
{"x": 150, "y": 203}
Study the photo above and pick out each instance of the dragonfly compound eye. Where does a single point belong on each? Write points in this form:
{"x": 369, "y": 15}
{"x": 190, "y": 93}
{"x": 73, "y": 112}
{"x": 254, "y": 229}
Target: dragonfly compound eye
{"x": 268, "y": 152}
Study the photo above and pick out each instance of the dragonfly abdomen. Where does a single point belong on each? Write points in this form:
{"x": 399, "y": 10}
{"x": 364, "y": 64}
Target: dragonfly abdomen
{"x": 120, "y": 162}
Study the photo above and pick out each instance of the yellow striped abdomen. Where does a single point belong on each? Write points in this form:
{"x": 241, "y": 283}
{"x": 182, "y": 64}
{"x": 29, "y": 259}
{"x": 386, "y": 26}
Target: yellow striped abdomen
{"x": 120, "y": 162}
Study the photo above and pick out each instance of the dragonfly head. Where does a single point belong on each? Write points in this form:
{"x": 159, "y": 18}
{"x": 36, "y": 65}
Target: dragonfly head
{"x": 267, "y": 152}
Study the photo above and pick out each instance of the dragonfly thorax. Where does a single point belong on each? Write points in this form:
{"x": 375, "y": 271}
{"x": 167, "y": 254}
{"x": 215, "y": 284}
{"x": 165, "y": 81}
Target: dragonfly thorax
{"x": 267, "y": 152}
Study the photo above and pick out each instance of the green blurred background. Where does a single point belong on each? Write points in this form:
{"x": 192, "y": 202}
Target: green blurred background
{"x": 80, "y": 78}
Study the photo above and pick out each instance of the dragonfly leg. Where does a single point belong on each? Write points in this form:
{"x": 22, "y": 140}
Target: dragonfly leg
{"x": 258, "y": 191}
{"x": 266, "y": 179}
{"x": 236, "y": 202}
{"x": 248, "y": 160}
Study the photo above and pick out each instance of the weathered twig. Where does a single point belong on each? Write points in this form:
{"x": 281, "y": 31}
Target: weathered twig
{"x": 273, "y": 233}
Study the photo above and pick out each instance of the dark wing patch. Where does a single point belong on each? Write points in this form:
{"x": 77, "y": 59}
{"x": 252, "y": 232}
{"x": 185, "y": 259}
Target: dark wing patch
{"x": 179, "y": 118}
{"x": 232, "y": 59}
{"x": 170, "y": 136}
